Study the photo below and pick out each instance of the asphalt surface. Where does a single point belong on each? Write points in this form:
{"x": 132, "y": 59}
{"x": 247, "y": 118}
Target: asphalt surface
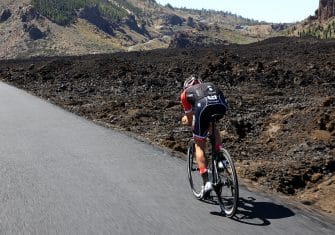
{"x": 62, "y": 174}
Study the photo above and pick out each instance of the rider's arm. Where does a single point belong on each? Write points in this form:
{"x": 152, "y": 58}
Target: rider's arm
{"x": 188, "y": 117}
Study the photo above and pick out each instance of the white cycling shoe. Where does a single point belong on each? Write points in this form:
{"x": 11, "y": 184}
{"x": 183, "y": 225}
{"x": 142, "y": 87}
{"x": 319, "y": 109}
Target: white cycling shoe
{"x": 206, "y": 189}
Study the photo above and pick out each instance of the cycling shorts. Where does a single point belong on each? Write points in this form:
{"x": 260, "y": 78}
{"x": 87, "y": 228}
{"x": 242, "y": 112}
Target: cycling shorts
{"x": 203, "y": 110}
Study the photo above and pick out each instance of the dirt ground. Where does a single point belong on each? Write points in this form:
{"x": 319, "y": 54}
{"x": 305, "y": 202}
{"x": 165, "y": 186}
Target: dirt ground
{"x": 280, "y": 127}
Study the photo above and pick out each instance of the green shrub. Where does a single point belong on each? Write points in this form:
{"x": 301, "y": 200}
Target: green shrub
{"x": 63, "y": 12}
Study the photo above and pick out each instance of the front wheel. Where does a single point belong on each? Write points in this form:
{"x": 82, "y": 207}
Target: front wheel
{"x": 228, "y": 193}
{"x": 193, "y": 173}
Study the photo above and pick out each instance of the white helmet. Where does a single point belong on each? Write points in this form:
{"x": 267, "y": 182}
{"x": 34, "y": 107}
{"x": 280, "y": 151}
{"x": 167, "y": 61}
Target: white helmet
{"x": 191, "y": 81}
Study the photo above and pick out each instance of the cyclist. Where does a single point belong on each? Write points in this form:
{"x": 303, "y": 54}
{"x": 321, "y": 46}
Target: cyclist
{"x": 200, "y": 101}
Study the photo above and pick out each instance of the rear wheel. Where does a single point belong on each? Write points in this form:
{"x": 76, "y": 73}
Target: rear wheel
{"x": 228, "y": 192}
{"x": 193, "y": 173}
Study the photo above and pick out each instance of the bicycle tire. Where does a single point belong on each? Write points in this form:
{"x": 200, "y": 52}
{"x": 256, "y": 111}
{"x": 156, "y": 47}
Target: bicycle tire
{"x": 194, "y": 176}
{"x": 228, "y": 194}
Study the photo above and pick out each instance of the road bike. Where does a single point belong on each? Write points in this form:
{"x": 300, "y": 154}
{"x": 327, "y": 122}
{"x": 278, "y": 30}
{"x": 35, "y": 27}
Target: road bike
{"x": 221, "y": 171}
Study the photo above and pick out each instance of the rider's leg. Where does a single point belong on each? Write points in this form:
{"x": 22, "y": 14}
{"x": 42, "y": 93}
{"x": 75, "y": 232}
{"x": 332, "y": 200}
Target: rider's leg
{"x": 202, "y": 163}
{"x": 218, "y": 139}
{"x": 217, "y": 109}
{"x": 200, "y": 129}
{"x": 201, "y": 159}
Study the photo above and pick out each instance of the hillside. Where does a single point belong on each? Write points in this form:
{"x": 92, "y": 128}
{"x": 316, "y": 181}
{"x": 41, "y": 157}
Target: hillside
{"x": 321, "y": 24}
{"x": 47, "y": 27}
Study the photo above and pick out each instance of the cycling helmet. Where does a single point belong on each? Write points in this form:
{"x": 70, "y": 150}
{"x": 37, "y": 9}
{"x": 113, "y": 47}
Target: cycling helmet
{"x": 191, "y": 81}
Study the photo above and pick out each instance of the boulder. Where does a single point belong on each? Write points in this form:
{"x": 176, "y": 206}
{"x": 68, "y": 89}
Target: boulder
{"x": 5, "y": 15}
{"x": 189, "y": 40}
{"x": 29, "y": 14}
{"x": 35, "y": 33}
{"x": 131, "y": 22}
{"x": 173, "y": 20}
{"x": 93, "y": 15}
{"x": 190, "y": 22}
{"x": 326, "y": 9}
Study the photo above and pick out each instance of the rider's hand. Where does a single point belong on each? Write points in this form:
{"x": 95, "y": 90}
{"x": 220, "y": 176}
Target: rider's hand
{"x": 184, "y": 120}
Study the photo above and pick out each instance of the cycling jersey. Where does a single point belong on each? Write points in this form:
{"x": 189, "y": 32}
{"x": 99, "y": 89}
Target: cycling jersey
{"x": 203, "y": 100}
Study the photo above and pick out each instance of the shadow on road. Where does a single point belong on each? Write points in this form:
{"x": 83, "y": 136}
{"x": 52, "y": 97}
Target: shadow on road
{"x": 258, "y": 213}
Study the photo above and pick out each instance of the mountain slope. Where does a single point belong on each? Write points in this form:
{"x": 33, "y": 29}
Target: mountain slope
{"x": 320, "y": 25}
{"x": 49, "y": 27}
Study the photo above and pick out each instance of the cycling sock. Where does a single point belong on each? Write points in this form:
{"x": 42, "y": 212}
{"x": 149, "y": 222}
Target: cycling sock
{"x": 202, "y": 170}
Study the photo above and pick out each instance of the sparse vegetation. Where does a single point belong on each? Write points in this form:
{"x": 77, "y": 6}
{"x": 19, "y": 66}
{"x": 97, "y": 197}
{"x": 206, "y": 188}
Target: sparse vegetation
{"x": 112, "y": 12}
{"x": 60, "y": 11}
{"x": 315, "y": 29}
{"x": 169, "y": 6}
{"x": 236, "y": 18}
{"x": 63, "y": 12}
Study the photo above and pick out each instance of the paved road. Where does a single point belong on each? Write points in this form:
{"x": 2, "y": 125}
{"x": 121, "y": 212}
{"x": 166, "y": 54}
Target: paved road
{"x": 61, "y": 174}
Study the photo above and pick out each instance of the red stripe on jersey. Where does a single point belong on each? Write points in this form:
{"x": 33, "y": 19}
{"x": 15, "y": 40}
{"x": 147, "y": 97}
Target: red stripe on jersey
{"x": 186, "y": 105}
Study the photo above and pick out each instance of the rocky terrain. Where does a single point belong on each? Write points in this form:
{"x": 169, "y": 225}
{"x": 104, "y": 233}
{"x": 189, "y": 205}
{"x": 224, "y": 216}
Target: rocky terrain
{"x": 326, "y": 9}
{"x": 280, "y": 127}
